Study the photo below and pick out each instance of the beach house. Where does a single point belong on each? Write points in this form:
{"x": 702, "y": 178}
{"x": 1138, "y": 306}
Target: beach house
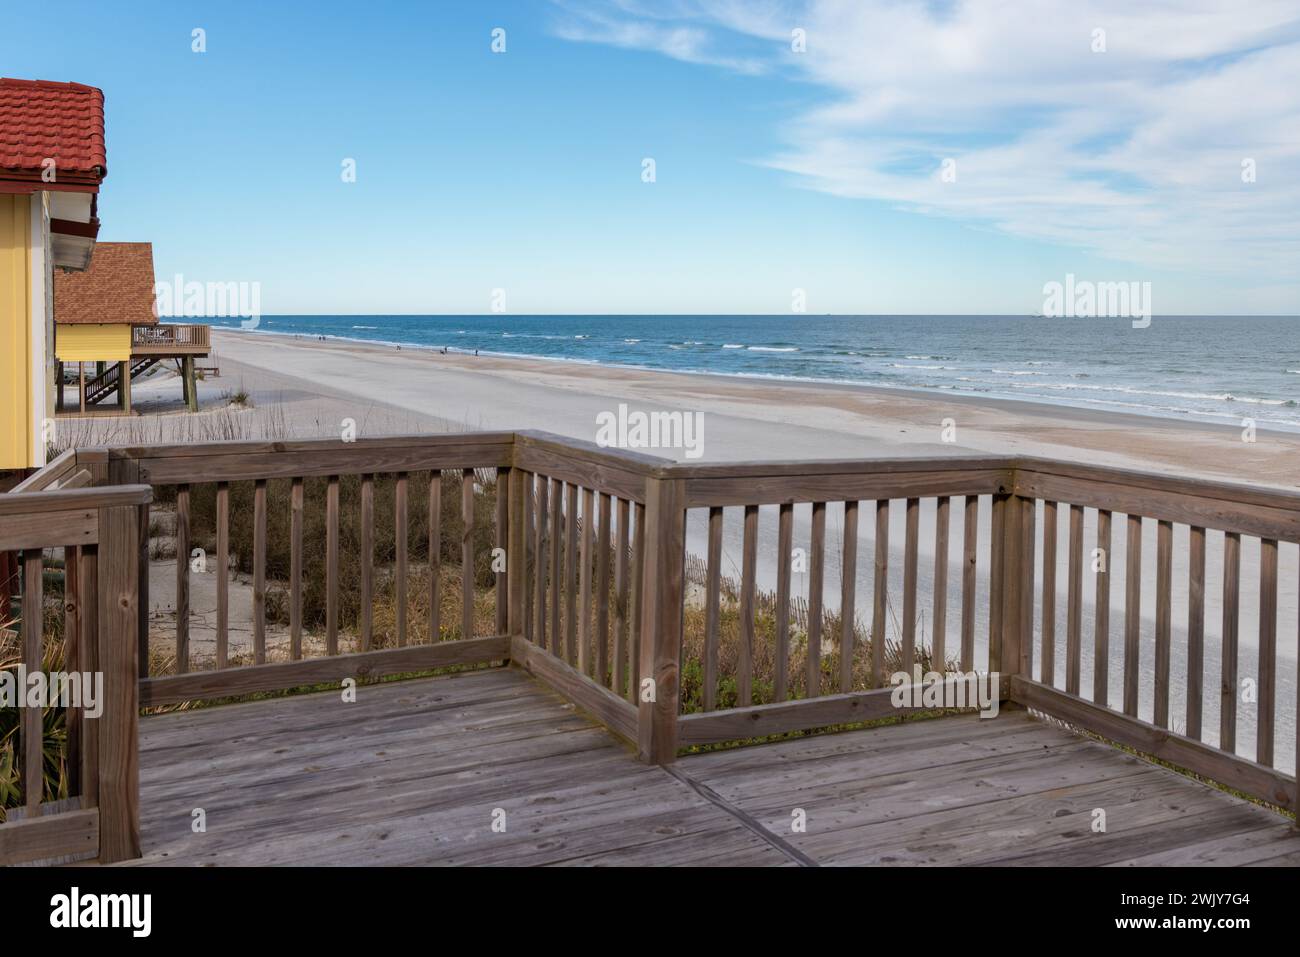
{"x": 52, "y": 162}
{"x": 107, "y": 332}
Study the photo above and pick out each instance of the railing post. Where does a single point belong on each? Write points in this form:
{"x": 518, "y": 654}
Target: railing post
{"x": 125, "y": 471}
{"x": 118, "y": 600}
{"x": 661, "y": 619}
{"x": 1011, "y": 585}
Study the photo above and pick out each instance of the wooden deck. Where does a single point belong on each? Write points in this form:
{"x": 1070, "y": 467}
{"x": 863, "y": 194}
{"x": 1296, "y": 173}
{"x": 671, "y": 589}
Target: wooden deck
{"x": 413, "y": 771}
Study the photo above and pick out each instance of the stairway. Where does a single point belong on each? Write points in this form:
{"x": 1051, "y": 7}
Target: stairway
{"x": 100, "y": 387}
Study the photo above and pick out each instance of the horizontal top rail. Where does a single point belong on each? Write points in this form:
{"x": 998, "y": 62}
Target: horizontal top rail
{"x": 1227, "y": 506}
{"x": 61, "y": 467}
{"x": 884, "y": 465}
{"x": 240, "y": 460}
{"x": 614, "y": 471}
{"x": 1272, "y": 513}
{"x": 66, "y": 517}
{"x": 62, "y": 500}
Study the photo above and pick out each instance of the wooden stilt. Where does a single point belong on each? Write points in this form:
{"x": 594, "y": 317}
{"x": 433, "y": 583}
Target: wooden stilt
{"x": 191, "y": 386}
{"x": 58, "y": 405}
{"x": 124, "y": 385}
{"x": 81, "y": 371}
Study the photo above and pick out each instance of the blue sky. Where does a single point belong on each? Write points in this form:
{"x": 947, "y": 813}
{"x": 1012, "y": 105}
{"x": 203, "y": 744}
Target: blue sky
{"x": 775, "y": 170}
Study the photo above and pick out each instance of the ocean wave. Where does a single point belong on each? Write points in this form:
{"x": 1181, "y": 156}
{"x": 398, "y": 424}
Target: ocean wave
{"x": 732, "y": 345}
{"x": 358, "y": 327}
{"x": 771, "y": 348}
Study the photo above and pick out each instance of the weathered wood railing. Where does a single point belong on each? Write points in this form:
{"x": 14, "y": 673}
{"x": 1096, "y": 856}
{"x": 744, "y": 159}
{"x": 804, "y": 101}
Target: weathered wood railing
{"x": 853, "y": 685}
{"x": 95, "y": 534}
{"x": 170, "y": 339}
{"x": 587, "y": 588}
{"x": 1202, "y": 518}
{"x": 308, "y": 479}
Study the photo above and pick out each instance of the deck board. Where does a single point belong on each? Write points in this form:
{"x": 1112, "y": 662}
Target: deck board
{"x": 411, "y": 773}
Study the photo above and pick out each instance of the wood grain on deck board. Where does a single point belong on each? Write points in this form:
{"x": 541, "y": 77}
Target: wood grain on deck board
{"x": 970, "y": 791}
{"x": 411, "y": 773}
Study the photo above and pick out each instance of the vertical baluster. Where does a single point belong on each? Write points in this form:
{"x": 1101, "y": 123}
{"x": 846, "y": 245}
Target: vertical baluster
{"x": 1025, "y": 616}
{"x": 223, "y": 573}
{"x": 749, "y": 574}
{"x": 997, "y": 544}
{"x": 1047, "y": 668}
{"x": 467, "y": 553}
{"x": 503, "y": 523}
{"x": 586, "y": 640}
{"x": 1164, "y": 616}
{"x": 524, "y": 488}
{"x": 1074, "y": 622}
{"x": 638, "y": 588}
{"x": 816, "y": 587}
{"x": 1132, "y": 613}
{"x": 969, "y": 581}
{"x": 785, "y": 546}
{"x": 332, "y": 566}
{"x": 33, "y": 723}
{"x": 939, "y": 643}
{"x": 912, "y": 519}
{"x": 1101, "y": 613}
{"x": 72, "y": 653}
{"x": 1228, "y": 661}
{"x": 88, "y": 661}
{"x": 435, "y": 556}
{"x": 622, "y": 597}
{"x": 541, "y": 540}
{"x": 295, "y": 569}
{"x": 401, "y": 534}
{"x": 571, "y": 574}
{"x": 182, "y": 579}
{"x": 1267, "y": 651}
{"x": 557, "y": 570}
{"x": 367, "y": 560}
{"x": 602, "y": 590}
{"x": 880, "y": 594}
{"x": 848, "y": 595}
{"x": 1195, "y": 630}
{"x": 712, "y": 602}
{"x": 259, "y": 572}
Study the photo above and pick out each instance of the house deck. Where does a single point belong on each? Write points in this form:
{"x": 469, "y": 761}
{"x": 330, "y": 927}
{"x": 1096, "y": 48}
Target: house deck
{"x": 414, "y": 771}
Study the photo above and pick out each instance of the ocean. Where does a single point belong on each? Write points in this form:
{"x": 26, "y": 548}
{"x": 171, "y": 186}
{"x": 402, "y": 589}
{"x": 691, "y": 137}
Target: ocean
{"x": 1222, "y": 369}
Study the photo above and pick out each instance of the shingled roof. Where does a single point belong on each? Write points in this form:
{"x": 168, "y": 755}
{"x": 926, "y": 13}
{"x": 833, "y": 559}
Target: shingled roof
{"x": 40, "y": 120}
{"x": 117, "y": 288}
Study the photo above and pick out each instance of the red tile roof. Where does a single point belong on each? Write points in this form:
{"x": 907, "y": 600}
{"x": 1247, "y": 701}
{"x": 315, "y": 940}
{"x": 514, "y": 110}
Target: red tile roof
{"x": 40, "y": 119}
{"x": 117, "y": 288}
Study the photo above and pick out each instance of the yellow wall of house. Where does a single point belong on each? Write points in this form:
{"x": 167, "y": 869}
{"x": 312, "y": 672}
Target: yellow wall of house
{"x": 93, "y": 343}
{"x": 16, "y": 439}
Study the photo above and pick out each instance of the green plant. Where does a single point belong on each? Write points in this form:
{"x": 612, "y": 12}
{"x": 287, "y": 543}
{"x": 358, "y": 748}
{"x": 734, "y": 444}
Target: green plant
{"x": 54, "y": 746}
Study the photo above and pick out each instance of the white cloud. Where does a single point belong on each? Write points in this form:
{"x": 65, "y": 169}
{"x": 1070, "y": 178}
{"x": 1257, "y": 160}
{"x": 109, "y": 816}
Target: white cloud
{"x": 1133, "y": 154}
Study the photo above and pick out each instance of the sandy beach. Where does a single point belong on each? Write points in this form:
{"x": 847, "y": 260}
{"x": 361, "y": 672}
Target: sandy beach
{"x": 385, "y": 389}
